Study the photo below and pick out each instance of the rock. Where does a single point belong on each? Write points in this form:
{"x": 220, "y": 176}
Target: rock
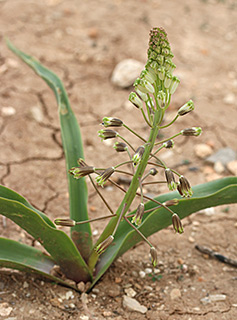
{"x": 81, "y": 286}
{"x": 114, "y": 291}
{"x": 8, "y": 111}
{"x": 202, "y": 150}
{"x": 148, "y": 270}
{"x": 133, "y": 305}
{"x": 175, "y": 294}
{"x": 232, "y": 167}
{"x": 5, "y": 309}
{"x": 69, "y": 295}
{"x": 126, "y": 72}
{"x": 37, "y": 114}
{"x": 229, "y": 98}
{"x": 224, "y": 155}
{"x": 130, "y": 292}
{"x": 25, "y": 285}
{"x": 218, "y": 167}
{"x": 205, "y": 300}
{"x": 191, "y": 239}
{"x": 217, "y": 297}
{"x": 142, "y": 274}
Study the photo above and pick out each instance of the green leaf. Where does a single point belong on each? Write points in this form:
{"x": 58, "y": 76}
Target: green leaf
{"x": 56, "y": 242}
{"x": 205, "y": 195}
{"x": 73, "y": 149}
{"x": 22, "y": 257}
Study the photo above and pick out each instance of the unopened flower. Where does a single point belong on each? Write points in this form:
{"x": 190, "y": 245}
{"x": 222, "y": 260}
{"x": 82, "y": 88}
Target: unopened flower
{"x": 79, "y": 172}
{"x": 154, "y": 256}
{"x": 172, "y": 202}
{"x": 105, "y": 134}
{"x": 169, "y": 65}
{"x": 168, "y": 144}
{"x": 153, "y": 171}
{"x": 149, "y": 76}
{"x": 144, "y": 86}
{"x": 120, "y": 146}
{"x": 170, "y": 179}
{"x": 161, "y": 73}
{"x": 174, "y": 85}
{"x": 112, "y": 122}
{"x": 167, "y": 80}
{"x": 186, "y": 108}
{"x": 133, "y": 97}
{"x": 104, "y": 245}
{"x": 65, "y": 222}
{"x": 177, "y": 224}
{"x": 184, "y": 187}
{"x": 161, "y": 98}
{"x": 138, "y": 155}
{"x": 194, "y": 131}
{"x": 142, "y": 95}
{"x": 137, "y": 219}
{"x": 101, "y": 179}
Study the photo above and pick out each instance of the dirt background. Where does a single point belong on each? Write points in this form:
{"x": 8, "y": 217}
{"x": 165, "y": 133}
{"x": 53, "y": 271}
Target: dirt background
{"x": 82, "y": 41}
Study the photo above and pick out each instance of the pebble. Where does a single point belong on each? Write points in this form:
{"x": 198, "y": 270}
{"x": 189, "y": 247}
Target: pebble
{"x": 229, "y": 98}
{"x": 5, "y": 309}
{"x": 202, "y": 150}
{"x": 213, "y": 298}
{"x": 37, "y": 114}
{"x": 218, "y": 167}
{"x": 133, "y": 304}
{"x": 142, "y": 274}
{"x": 25, "y": 285}
{"x": 175, "y": 294}
{"x": 81, "y": 286}
{"x": 224, "y": 155}
{"x": 83, "y": 317}
{"x": 232, "y": 167}
{"x": 8, "y": 111}
{"x": 191, "y": 239}
{"x": 126, "y": 72}
{"x": 69, "y": 295}
{"x": 114, "y": 291}
{"x": 130, "y": 292}
{"x": 148, "y": 270}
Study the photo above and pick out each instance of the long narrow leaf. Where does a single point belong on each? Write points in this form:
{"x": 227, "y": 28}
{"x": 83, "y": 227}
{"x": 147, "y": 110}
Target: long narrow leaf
{"x": 73, "y": 149}
{"x": 56, "y": 242}
{"x": 223, "y": 191}
{"x": 19, "y": 256}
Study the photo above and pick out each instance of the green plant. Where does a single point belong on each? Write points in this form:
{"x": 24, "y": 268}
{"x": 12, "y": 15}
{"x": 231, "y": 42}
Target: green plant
{"x": 76, "y": 256}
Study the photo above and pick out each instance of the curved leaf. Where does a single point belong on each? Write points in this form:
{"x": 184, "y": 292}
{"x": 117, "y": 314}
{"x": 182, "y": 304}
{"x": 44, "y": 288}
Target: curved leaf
{"x": 205, "y": 195}
{"x": 56, "y": 242}
{"x": 19, "y": 256}
{"x": 73, "y": 149}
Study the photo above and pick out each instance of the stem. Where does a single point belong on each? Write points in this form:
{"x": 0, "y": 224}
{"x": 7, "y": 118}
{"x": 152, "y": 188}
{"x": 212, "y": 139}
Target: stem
{"x": 95, "y": 219}
{"x": 139, "y": 232}
{"x": 126, "y": 142}
{"x": 176, "y": 135}
{"x": 122, "y": 163}
{"x": 145, "y": 118}
{"x": 167, "y": 125}
{"x": 136, "y": 134}
{"x": 119, "y": 219}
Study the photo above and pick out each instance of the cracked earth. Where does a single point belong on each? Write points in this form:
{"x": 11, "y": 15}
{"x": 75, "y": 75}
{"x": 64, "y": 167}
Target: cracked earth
{"x": 82, "y": 41}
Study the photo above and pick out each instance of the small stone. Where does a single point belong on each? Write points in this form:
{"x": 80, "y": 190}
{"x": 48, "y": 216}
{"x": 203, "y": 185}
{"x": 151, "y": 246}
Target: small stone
{"x": 205, "y": 300}
{"x": 81, "y": 286}
{"x": 69, "y": 295}
{"x": 224, "y": 155}
{"x": 25, "y": 285}
{"x": 83, "y": 317}
{"x": 142, "y": 274}
{"x": 232, "y": 167}
{"x": 8, "y": 111}
{"x": 114, "y": 291}
{"x": 217, "y": 297}
{"x": 93, "y": 33}
{"x": 218, "y": 167}
{"x": 130, "y": 292}
{"x": 37, "y": 114}
{"x": 133, "y": 305}
{"x": 5, "y": 309}
{"x": 175, "y": 294}
{"x": 191, "y": 239}
{"x": 72, "y": 306}
{"x": 95, "y": 290}
{"x": 107, "y": 313}
{"x": 148, "y": 270}
{"x": 229, "y": 98}
{"x": 95, "y": 232}
{"x": 126, "y": 72}
{"x": 202, "y": 150}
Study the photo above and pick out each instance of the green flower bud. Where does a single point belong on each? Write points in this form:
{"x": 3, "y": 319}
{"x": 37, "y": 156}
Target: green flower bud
{"x": 148, "y": 76}
{"x": 79, "y": 172}
{"x": 174, "y": 85}
{"x": 172, "y": 202}
{"x": 186, "y": 108}
{"x": 168, "y": 144}
{"x": 154, "y": 66}
{"x": 194, "y": 131}
{"x": 154, "y": 256}
{"x": 104, "y": 245}
{"x": 120, "y": 146}
{"x": 142, "y": 95}
{"x": 169, "y": 65}
{"x": 138, "y": 155}
{"x": 105, "y": 134}
{"x": 161, "y": 73}
{"x": 101, "y": 179}
{"x": 112, "y": 122}
{"x": 170, "y": 179}
{"x": 144, "y": 86}
{"x": 167, "y": 80}
{"x": 65, "y": 222}
{"x": 161, "y": 98}
{"x": 153, "y": 171}
{"x": 184, "y": 187}
{"x": 177, "y": 224}
{"x": 137, "y": 219}
{"x": 133, "y": 97}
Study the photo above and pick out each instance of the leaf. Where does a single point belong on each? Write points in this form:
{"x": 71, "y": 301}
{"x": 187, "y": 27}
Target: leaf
{"x": 56, "y": 242}
{"x": 22, "y": 257}
{"x": 205, "y": 195}
{"x": 73, "y": 149}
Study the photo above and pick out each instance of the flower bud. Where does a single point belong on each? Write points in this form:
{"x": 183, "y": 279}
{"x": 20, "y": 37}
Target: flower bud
{"x": 112, "y": 122}
{"x": 170, "y": 179}
{"x": 144, "y": 86}
{"x": 65, "y": 222}
{"x": 186, "y": 108}
{"x": 133, "y": 97}
{"x": 177, "y": 224}
{"x": 120, "y": 146}
{"x": 79, "y": 172}
{"x": 167, "y": 80}
{"x": 172, "y": 202}
{"x": 161, "y": 73}
{"x": 142, "y": 95}
{"x": 194, "y": 131}
{"x": 149, "y": 76}
{"x": 153, "y": 171}
{"x": 184, "y": 187}
{"x": 154, "y": 256}
{"x": 137, "y": 219}
{"x": 168, "y": 144}
{"x": 104, "y": 245}
{"x": 105, "y": 134}
{"x": 161, "y": 98}
{"x": 138, "y": 155}
{"x": 169, "y": 65}
{"x": 174, "y": 85}
{"x": 101, "y": 179}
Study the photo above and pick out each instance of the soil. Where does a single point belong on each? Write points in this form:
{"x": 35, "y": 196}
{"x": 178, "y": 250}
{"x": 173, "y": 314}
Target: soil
{"x": 82, "y": 41}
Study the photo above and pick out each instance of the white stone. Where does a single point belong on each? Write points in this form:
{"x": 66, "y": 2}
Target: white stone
{"x": 5, "y": 309}
{"x": 217, "y": 297}
{"x": 142, "y": 274}
{"x": 175, "y": 294}
{"x": 218, "y": 167}
{"x": 202, "y": 150}
{"x": 126, "y": 72}
{"x": 232, "y": 167}
{"x": 148, "y": 270}
{"x": 25, "y": 285}
{"x": 37, "y": 114}
{"x": 133, "y": 305}
{"x": 69, "y": 295}
{"x": 130, "y": 292}
{"x": 229, "y": 98}
{"x": 8, "y": 111}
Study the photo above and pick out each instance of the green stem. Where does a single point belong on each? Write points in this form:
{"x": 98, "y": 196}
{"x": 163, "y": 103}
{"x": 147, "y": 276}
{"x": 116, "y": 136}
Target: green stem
{"x": 136, "y": 134}
{"x": 167, "y": 125}
{"x": 126, "y": 142}
{"x": 95, "y": 219}
{"x": 176, "y": 135}
{"x": 145, "y": 118}
{"x": 139, "y": 232}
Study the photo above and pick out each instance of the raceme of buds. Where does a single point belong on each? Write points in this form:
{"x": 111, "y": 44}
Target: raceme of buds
{"x": 101, "y": 179}
{"x": 154, "y": 256}
{"x": 194, "y": 131}
{"x": 112, "y": 122}
{"x": 137, "y": 219}
{"x": 184, "y": 187}
{"x": 133, "y": 97}
{"x": 177, "y": 224}
{"x": 153, "y": 171}
{"x": 104, "y": 245}
{"x": 120, "y": 146}
{"x": 79, "y": 172}
{"x": 65, "y": 222}
{"x": 168, "y": 144}
{"x": 138, "y": 155}
{"x": 170, "y": 179}
{"x": 105, "y": 134}
{"x": 186, "y": 108}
